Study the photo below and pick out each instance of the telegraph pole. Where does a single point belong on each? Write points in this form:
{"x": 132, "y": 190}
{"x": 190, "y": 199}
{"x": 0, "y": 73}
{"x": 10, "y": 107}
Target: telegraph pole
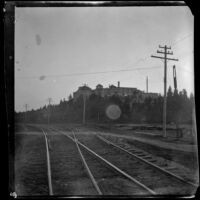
{"x": 49, "y": 100}
{"x": 175, "y": 79}
{"x": 84, "y": 106}
{"x": 165, "y": 80}
{"x": 147, "y": 84}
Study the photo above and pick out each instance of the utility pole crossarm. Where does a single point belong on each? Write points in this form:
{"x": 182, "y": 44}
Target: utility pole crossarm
{"x": 157, "y": 57}
{"x": 168, "y": 52}
{"x": 163, "y": 47}
{"x": 174, "y": 59}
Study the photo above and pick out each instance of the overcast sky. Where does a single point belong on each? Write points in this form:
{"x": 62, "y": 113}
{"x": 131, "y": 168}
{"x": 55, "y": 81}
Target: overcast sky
{"x": 52, "y": 43}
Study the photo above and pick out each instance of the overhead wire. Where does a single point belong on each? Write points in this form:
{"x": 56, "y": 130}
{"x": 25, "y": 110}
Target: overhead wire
{"x": 102, "y": 72}
{"x": 89, "y": 73}
{"x": 183, "y": 38}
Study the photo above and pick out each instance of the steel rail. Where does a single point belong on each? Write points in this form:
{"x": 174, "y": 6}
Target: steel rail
{"x": 112, "y": 166}
{"x": 86, "y": 167}
{"x": 157, "y": 167}
{"x": 48, "y": 165}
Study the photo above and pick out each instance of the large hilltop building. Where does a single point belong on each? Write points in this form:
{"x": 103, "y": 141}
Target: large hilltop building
{"x": 137, "y": 95}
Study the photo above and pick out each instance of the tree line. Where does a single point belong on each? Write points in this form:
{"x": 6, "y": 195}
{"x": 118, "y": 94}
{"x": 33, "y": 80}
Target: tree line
{"x": 179, "y": 110}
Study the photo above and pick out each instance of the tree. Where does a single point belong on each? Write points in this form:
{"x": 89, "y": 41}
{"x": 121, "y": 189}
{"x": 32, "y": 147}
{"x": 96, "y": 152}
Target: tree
{"x": 184, "y": 93}
{"x": 179, "y": 109}
{"x": 70, "y": 97}
{"x": 169, "y": 92}
{"x": 126, "y": 110}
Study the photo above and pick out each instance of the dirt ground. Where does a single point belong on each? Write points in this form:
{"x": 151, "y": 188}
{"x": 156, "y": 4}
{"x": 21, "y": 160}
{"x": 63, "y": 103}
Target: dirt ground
{"x": 30, "y": 158}
{"x": 30, "y": 165}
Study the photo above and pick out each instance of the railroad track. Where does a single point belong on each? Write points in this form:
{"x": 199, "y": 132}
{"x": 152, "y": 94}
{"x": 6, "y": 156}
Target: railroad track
{"x": 89, "y": 164}
{"x": 48, "y": 164}
{"x": 148, "y": 158}
{"x": 107, "y": 179}
{"x": 144, "y": 172}
{"x": 66, "y": 174}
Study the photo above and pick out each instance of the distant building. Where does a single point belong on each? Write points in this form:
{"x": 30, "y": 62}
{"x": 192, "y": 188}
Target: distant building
{"x": 82, "y": 90}
{"x": 138, "y": 95}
